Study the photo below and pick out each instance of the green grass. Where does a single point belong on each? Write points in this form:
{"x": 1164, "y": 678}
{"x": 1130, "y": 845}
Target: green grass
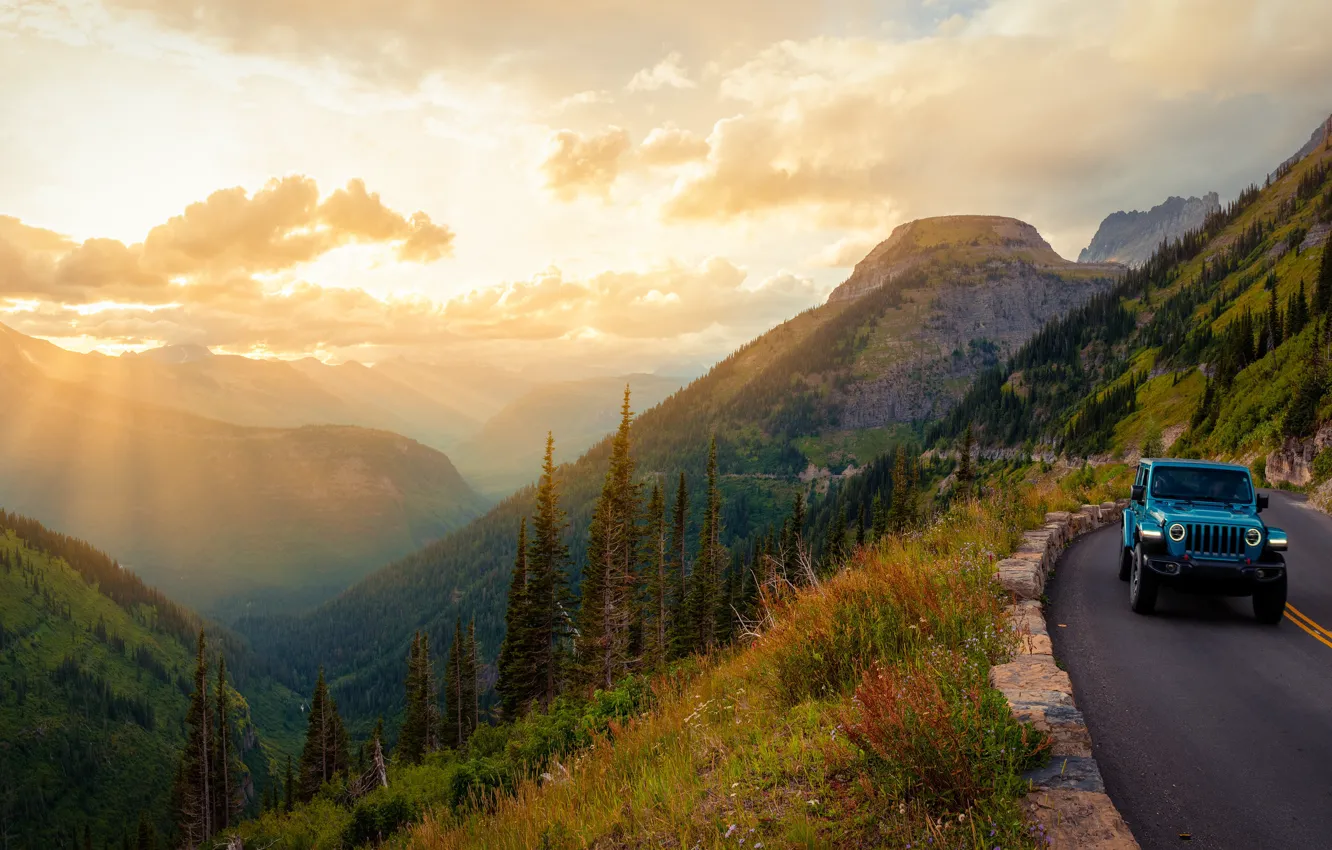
{"x": 770, "y": 742}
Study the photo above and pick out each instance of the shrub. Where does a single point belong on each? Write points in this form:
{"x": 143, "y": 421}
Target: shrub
{"x": 939, "y": 736}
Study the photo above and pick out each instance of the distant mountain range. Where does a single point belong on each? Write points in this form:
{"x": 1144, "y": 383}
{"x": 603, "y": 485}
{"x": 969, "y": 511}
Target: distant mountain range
{"x": 506, "y": 453}
{"x": 1131, "y": 237}
{"x": 208, "y": 509}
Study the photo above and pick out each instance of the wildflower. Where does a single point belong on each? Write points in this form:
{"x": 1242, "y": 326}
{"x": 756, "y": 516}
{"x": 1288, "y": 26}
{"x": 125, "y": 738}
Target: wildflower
{"x": 730, "y": 831}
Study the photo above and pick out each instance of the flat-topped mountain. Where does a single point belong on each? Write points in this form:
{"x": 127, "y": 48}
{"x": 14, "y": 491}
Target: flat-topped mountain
{"x": 1131, "y": 237}
{"x": 957, "y": 240}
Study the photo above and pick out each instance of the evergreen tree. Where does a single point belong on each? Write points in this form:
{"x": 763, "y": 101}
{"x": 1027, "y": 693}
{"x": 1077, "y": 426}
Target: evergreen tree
{"x": 516, "y": 676}
{"x": 965, "y": 473}
{"x": 678, "y": 571}
{"x": 879, "y": 518}
{"x": 418, "y": 734}
{"x": 226, "y": 805}
{"x": 325, "y": 755}
{"x": 656, "y": 604}
{"x": 860, "y": 526}
{"x": 1273, "y": 329}
{"x": 836, "y": 547}
{"x": 461, "y": 697}
{"x": 902, "y": 509}
{"x": 547, "y": 583}
{"x": 471, "y": 685}
{"x": 1323, "y": 289}
{"x": 1297, "y": 312}
{"x": 193, "y": 793}
{"x": 607, "y": 607}
{"x": 705, "y": 581}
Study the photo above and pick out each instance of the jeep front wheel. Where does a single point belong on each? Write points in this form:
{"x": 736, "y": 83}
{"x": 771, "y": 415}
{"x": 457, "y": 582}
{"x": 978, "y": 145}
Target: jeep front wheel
{"x": 1142, "y": 584}
{"x": 1125, "y": 563}
{"x": 1269, "y": 602}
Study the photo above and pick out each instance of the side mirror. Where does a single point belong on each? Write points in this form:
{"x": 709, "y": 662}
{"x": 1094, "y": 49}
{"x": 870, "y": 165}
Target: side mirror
{"x": 1262, "y": 502}
{"x": 1138, "y": 493}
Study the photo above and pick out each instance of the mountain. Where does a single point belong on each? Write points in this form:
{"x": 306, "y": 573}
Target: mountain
{"x": 479, "y": 388}
{"x": 209, "y": 510}
{"x": 94, "y": 682}
{"x": 247, "y": 391}
{"x": 1131, "y": 237}
{"x": 777, "y": 406}
{"x": 1216, "y": 347}
{"x": 1320, "y": 137}
{"x": 507, "y": 451}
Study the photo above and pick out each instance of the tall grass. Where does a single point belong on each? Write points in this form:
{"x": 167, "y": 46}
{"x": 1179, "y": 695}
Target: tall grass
{"x": 773, "y": 744}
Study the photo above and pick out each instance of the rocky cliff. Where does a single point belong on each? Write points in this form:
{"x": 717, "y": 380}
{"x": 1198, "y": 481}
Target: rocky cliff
{"x": 1131, "y": 237}
{"x": 969, "y": 290}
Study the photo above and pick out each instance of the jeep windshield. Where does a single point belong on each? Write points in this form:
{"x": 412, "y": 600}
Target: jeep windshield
{"x": 1200, "y": 484}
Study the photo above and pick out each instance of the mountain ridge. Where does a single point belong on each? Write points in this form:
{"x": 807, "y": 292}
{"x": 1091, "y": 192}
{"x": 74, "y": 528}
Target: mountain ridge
{"x": 1131, "y": 237}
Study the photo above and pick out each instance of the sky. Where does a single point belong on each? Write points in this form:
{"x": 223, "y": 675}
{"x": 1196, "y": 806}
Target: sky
{"x": 589, "y": 186}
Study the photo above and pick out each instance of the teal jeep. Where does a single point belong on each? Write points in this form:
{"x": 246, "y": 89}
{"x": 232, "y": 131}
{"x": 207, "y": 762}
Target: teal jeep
{"x": 1194, "y": 525}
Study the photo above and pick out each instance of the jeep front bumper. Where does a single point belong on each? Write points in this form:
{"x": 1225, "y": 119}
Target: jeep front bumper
{"x": 1221, "y": 576}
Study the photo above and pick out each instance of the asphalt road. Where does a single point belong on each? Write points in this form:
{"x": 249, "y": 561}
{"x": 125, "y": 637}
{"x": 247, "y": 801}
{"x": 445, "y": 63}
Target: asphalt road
{"x": 1203, "y": 721}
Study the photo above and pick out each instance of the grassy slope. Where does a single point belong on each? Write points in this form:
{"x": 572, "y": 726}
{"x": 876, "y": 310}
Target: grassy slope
{"x": 62, "y": 763}
{"x": 758, "y": 739}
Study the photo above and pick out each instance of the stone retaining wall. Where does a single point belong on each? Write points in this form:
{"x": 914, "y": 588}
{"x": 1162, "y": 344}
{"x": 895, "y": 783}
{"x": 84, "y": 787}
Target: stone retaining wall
{"x": 1068, "y": 797}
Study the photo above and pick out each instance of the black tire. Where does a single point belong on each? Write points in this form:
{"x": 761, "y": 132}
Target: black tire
{"x": 1125, "y": 564}
{"x": 1269, "y": 602}
{"x": 1142, "y": 584}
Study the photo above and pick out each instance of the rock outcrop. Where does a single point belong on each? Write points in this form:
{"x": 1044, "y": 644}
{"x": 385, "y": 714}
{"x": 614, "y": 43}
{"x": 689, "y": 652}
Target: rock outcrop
{"x": 1321, "y": 136}
{"x": 968, "y": 290}
{"x": 1292, "y": 463}
{"x": 1131, "y": 237}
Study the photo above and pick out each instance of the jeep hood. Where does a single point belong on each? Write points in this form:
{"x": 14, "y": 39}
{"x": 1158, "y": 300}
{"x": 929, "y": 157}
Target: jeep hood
{"x": 1202, "y": 512}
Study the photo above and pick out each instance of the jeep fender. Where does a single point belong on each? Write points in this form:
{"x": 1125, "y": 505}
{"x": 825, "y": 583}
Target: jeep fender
{"x": 1130, "y": 532}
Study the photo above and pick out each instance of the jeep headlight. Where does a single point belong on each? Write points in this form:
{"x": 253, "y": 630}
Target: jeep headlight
{"x": 1253, "y": 537}
{"x": 1176, "y": 532}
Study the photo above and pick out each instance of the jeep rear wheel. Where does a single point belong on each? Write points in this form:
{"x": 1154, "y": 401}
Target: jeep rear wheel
{"x": 1125, "y": 564}
{"x": 1269, "y": 602}
{"x": 1142, "y": 584}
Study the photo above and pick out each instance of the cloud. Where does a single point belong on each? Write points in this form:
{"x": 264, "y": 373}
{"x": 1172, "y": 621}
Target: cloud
{"x": 669, "y": 145}
{"x": 228, "y": 273}
{"x": 1031, "y": 108}
{"x": 668, "y": 73}
{"x": 214, "y": 248}
{"x": 576, "y": 164}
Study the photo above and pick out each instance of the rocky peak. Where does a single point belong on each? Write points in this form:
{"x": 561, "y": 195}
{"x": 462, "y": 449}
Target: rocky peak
{"x": 959, "y": 239}
{"x": 1131, "y": 237}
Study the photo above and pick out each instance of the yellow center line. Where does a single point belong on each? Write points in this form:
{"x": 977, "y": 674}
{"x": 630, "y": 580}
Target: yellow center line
{"x": 1313, "y": 629}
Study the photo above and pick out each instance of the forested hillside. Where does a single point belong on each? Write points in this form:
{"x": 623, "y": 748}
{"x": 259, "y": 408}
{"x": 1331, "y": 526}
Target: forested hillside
{"x": 208, "y": 510}
{"x": 1216, "y": 347}
{"x": 94, "y": 686}
{"x": 772, "y": 405}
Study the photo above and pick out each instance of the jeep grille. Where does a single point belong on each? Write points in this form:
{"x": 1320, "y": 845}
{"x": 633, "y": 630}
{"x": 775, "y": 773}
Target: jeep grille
{"x": 1207, "y": 539}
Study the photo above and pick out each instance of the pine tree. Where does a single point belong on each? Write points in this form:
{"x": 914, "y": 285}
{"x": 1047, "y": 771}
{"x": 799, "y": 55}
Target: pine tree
{"x": 225, "y": 806}
{"x": 418, "y": 734}
{"x": 1323, "y": 289}
{"x": 516, "y": 676}
{"x": 965, "y": 473}
{"x": 836, "y": 547}
{"x": 705, "y": 582}
{"x": 1273, "y": 329}
{"x": 193, "y": 794}
{"x": 902, "y": 509}
{"x": 860, "y": 526}
{"x": 547, "y": 585}
{"x": 656, "y": 604}
{"x": 607, "y": 607}
{"x": 455, "y": 715}
{"x": 678, "y": 571}
{"x": 471, "y": 685}
{"x": 1297, "y": 312}
{"x": 879, "y": 518}
{"x": 325, "y": 755}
